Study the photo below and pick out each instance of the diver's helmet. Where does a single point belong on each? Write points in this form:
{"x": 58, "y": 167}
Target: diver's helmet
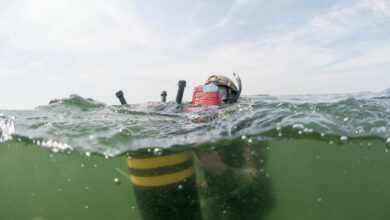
{"x": 218, "y": 90}
{"x": 227, "y": 88}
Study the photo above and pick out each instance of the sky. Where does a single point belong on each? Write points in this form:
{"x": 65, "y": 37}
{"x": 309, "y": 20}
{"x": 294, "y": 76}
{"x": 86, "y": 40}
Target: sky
{"x": 52, "y": 49}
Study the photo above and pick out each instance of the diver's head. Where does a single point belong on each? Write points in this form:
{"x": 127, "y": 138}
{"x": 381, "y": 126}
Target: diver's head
{"x": 228, "y": 92}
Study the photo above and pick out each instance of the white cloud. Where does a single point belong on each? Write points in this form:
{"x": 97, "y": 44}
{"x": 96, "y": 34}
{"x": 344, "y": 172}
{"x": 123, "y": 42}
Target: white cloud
{"x": 76, "y": 26}
{"x": 94, "y": 48}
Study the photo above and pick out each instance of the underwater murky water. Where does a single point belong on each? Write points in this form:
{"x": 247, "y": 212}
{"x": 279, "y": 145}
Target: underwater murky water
{"x": 320, "y": 156}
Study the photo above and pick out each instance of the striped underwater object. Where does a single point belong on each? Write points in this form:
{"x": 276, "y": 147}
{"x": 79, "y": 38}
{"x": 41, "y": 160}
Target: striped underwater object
{"x": 161, "y": 170}
{"x": 165, "y": 186}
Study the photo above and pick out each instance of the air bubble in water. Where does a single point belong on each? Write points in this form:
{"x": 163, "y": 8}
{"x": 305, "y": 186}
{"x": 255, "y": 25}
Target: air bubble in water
{"x": 343, "y": 138}
{"x": 82, "y": 165}
{"x": 180, "y": 186}
{"x": 132, "y": 208}
{"x": 318, "y": 156}
{"x": 322, "y": 134}
{"x": 319, "y": 199}
{"x": 346, "y": 119}
{"x": 250, "y": 141}
{"x": 243, "y": 137}
{"x": 299, "y": 132}
{"x": 331, "y": 142}
{"x": 388, "y": 140}
{"x": 86, "y": 206}
{"x": 157, "y": 152}
{"x": 116, "y": 180}
{"x": 88, "y": 154}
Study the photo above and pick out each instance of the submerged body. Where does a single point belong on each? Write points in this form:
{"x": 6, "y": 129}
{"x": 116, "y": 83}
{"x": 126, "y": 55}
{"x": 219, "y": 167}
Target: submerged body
{"x": 237, "y": 187}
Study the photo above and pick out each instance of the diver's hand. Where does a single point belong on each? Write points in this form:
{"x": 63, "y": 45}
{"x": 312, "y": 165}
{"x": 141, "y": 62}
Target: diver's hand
{"x": 211, "y": 163}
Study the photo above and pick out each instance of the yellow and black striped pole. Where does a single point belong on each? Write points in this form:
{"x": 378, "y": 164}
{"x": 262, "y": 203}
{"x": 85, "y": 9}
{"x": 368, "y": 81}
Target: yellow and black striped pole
{"x": 165, "y": 185}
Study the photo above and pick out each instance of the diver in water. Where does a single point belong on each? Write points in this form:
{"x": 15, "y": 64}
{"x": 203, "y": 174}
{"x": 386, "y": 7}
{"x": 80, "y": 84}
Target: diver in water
{"x": 235, "y": 185}
{"x": 235, "y": 180}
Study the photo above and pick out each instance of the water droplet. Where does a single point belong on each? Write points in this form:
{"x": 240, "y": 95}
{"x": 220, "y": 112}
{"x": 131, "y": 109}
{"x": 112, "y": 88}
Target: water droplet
{"x": 157, "y": 152}
{"x": 88, "y": 154}
{"x": 387, "y": 150}
{"x": 180, "y": 186}
{"x": 82, "y": 165}
{"x": 298, "y": 126}
{"x": 116, "y": 180}
{"x": 388, "y": 140}
{"x": 331, "y": 142}
{"x": 369, "y": 144}
{"x": 86, "y": 206}
{"x": 243, "y": 137}
{"x": 280, "y": 134}
{"x": 224, "y": 212}
{"x": 95, "y": 165}
{"x": 299, "y": 132}
{"x": 319, "y": 199}
{"x": 250, "y": 141}
{"x": 343, "y": 138}
{"x": 346, "y": 119}
{"x": 149, "y": 150}
{"x": 322, "y": 134}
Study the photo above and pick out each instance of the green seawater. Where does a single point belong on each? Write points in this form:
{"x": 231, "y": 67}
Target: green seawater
{"x": 327, "y": 155}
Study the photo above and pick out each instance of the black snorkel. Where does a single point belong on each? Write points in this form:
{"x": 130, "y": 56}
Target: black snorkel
{"x": 235, "y": 98}
{"x": 180, "y": 91}
{"x": 163, "y": 96}
{"x": 121, "y": 97}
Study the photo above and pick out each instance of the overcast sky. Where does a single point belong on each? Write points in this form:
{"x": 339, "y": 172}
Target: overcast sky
{"x": 53, "y": 48}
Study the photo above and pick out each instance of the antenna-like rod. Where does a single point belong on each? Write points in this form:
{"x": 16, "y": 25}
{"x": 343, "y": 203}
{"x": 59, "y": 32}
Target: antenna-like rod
{"x": 163, "y": 96}
{"x": 121, "y": 98}
{"x": 180, "y": 91}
